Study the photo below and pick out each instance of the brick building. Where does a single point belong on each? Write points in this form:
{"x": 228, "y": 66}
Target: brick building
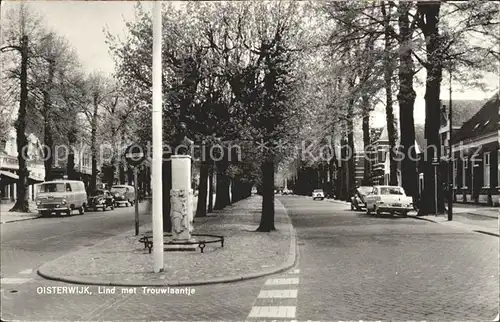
{"x": 476, "y": 156}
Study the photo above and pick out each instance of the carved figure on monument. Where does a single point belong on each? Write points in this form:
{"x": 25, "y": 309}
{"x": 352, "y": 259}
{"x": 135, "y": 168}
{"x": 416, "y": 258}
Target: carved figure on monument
{"x": 179, "y": 215}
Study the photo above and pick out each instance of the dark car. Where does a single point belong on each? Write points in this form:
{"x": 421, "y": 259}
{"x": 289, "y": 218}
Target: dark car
{"x": 101, "y": 199}
{"x": 358, "y": 198}
{"x": 123, "y": 194}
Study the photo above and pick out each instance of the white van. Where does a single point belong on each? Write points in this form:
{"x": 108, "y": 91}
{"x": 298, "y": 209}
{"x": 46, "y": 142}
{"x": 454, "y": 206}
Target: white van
{"x": 61, "y": 196}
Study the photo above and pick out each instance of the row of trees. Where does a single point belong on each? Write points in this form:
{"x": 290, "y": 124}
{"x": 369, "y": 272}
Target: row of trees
{"x": 232, "y": 72}
{"x": 46, "y": 91}
{"x": 378, "y": 48}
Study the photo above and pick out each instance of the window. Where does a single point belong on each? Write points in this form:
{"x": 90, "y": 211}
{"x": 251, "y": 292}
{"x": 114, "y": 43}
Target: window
{"x": 51, "y": 187}
{"x": 68, "y": 187}
{"x": 486, "y": 165}
{"x": 391, "y": 191}
{"x": 465, "y": 166}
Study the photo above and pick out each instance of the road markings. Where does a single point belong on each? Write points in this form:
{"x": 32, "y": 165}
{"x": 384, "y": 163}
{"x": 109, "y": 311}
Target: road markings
{"x": 272, "y": 312}
{"x": 26, "y": 271}
{"x": 277, "y": 299}
{"x": 14, "y": 280}
{"x": 278, "y": 294}
{"x": 282, "y": 281}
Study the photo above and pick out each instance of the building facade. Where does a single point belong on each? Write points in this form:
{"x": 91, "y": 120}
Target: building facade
{"x": 476, "y": 156}
{"x": 9, "y": 166}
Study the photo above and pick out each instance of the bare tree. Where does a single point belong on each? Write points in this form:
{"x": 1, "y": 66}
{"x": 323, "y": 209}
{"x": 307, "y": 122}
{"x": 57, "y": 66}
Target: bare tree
{"x": 20, "y": 36}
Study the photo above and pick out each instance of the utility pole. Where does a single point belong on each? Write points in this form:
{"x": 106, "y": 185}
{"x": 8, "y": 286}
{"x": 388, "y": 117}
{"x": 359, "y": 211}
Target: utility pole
{"x": 435, "y": 163}
{"x": 157, "y": 142}
{"x": 451, "y": 171}
{"x": 136, "y": 202}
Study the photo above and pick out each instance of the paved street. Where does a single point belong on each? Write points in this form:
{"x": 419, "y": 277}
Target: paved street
{"x": 28, "y": 244}
{"x": 355, "y": 267}
{"x": 351, "y": 267}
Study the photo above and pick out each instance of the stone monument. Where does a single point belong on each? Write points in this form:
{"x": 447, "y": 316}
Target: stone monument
{"x": 181, "y": 194}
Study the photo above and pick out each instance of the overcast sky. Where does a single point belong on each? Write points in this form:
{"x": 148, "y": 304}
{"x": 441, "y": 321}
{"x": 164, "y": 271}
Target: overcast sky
{"x": 82, "y": 23}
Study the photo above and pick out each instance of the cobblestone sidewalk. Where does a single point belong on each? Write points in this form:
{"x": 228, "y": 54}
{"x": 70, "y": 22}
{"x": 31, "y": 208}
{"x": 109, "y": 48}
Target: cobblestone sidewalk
{"x": 122, "y": 260}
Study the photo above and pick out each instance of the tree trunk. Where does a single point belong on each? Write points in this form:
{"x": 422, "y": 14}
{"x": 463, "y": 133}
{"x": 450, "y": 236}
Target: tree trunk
{"x": 122, "y": 173}
{"x": 351, "y": 165}
{"x": 48, "y": 139}
{"x": 342, "y": 183}
{"x": 406, "y": 99}
{"x": 109, "y": 172}
{"x": 222, "y": 187}
{"x": 21, "y": 204}
{"x": 389, "y": 113}
{"x": 430, "y": 10}
{"x": 367, "y": 175}
{"x": 93, "y": 180}
{"x": 201, "y": 208}
{"x": 267, "y": 217}
{"x": 331, "y": 169}
{"x": 211, "y": 190}
{"x": 48, "y": 150}
{"x": 130, "y": 175}
{"x": 235, "y": 194}
{"x": 70, "y": 166}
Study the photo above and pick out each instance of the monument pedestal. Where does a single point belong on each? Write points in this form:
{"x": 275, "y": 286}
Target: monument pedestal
{"x": 181, "y": 199}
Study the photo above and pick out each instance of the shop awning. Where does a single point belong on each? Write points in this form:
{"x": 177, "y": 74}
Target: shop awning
{"x": 32, "y": 180}
{"x": 7, "y": 177}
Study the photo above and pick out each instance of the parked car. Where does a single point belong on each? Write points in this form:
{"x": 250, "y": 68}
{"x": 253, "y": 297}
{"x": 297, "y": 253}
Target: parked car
{"x": 392, "y": 199}
{"x": 61, "y": 197}
{"x": 358, "y": 199}
{"x": 123, "y": 195}
{"x": 318, "y": 194}
{"x": 286, "y": 192}
{"x": 101, "y": 199}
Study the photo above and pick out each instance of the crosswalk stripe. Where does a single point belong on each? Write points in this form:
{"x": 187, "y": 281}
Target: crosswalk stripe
{"x": 281, "y": 294}
{"x": 14, "y": 280}
{"x": 282, "y": 281}
{"x": 26, "y": 271}
{"x": 273, "y": 312}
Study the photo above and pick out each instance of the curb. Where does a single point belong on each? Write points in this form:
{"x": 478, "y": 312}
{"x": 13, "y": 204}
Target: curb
{"x": 486, "y": 233}
{"x": 422, "y": 218}
{"x": 476, "y": 214}
{"x": 289, "y": 263}
{"x": 16, "y": 220}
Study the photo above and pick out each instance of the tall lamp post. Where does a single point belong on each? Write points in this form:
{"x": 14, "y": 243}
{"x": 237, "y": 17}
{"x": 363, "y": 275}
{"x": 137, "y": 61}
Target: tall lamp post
{"x": 156, "y": 172}
{"x": 451, "y": 171}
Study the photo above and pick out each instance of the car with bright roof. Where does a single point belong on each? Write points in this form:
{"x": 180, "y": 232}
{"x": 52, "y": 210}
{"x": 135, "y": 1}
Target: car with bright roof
{"x": 391, "y": 199}
{"x": 318, "y": 194}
